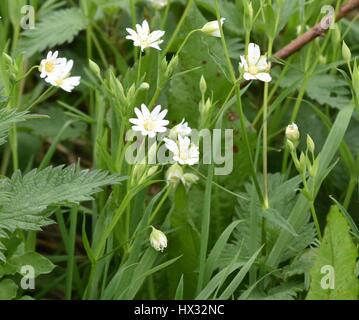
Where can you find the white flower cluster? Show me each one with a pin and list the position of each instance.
(57, 72)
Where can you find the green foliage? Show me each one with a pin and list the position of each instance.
(29, 195)
(54, 29)
(8, 118)
(338, 251)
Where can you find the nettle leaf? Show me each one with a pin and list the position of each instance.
(55, 29)
(7, 118)
(329, 89)
(30, 194)
(337, 251)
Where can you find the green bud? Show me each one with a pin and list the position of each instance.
(95, 68)
(164, 65)
(355, 79)
(290, 146)
(302, 162)
(7, 59)
(310, 144)
(172, 66)
(203, 85)
(152, 171)
(346, 52)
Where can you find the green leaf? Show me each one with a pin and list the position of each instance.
(273, 216)
(329, 89)
(8, 289)
(41, 264)
(55, 29)
(30, 194)
(337, 250)
(8, 117)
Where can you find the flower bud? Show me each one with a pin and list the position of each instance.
(346, 52)
(95, 68)
(290, 145)
(151, 171)
(302, 162)
(292, 134)
(310, 144)
(212, 28)
(159, 4)
(182, 129)
(203, 85)
(7, 59)
(172, 66)
(144, 86)
(158, 239)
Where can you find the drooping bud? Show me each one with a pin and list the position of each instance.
(158, 239)
(212, 28)
(189, 179)
(174, 174)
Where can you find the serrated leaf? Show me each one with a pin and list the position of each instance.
(329, 89)
(55, 29)
(7, 118)
(338, 251)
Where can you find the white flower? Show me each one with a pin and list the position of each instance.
(149, 123)
(61, 78)
(159, 4)
(158, 239)
(255, 66)
(182, 129)
(212, 28)
(51, 64)
(292, 132)
(184, 152)
(143, 38)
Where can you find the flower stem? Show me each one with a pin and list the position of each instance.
(179, 26)
(265, 136)
(240, 107)
(40, 98)
(139, 69)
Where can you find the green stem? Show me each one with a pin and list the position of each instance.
(265, 136)
(139, 69)
(71, 252)
(240, 107)
(349, 193)
(179, 26)
(40, 98)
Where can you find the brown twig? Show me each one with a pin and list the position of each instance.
(314, 32)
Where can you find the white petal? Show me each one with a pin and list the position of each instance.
(138, 114)
(145, 27)
(262, 63)
(156, 111)
(249, 76)
(243, 64)
(135, 121)
(146, 113)
(266, 77)
(254, 53)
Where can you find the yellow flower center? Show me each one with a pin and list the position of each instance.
(149, 125)
(49, 67)
(253, 70)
